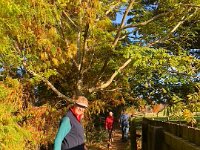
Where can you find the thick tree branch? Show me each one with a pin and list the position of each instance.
(122, 23)
(98, 77)
(78, 50)
(60, 95)
(117, 37)
(191, 5)
(183, 19)
(79, 41)
(117, 89)
(145, 22)
(165, 37)
(104, 85)
(66, 15)
(80, 72)
(85, 36)
(112, 7)
(89, 65)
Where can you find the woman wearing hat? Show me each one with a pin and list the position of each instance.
(70, 135)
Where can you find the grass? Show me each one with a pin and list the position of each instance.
(161, 117)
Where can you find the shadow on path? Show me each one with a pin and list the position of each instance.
(117, 143)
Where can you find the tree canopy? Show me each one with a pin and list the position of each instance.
(68, 47)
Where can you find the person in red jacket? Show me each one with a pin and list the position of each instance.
(109, 125)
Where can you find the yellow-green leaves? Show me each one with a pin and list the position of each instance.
(189, 117)
(96, 107)
(12, 135)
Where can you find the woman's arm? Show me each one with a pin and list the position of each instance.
(106, 123)
(63, 130)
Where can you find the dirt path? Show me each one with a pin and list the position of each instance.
(117, 144)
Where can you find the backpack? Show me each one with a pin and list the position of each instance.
(124, 120)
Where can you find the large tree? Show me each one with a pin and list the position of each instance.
(75, 48)
(63, 48)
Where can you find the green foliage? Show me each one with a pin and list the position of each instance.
(12, 134)
(39, 120)
(186, 109)
(97, 136)
(4, 93)
(172, 30)
(189, 117)
(24, 129)
(96, 107)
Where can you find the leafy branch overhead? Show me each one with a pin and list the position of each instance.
(76, 47)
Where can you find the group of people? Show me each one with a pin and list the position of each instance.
(70, 135)
(124, 125)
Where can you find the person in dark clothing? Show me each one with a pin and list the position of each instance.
(124, 124)
(70, 135)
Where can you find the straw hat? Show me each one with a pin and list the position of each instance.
(82, 101)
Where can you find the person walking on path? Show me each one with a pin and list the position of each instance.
(124, 124)
(109, 125)
(70, 135)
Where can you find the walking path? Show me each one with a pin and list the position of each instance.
(117, 143)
